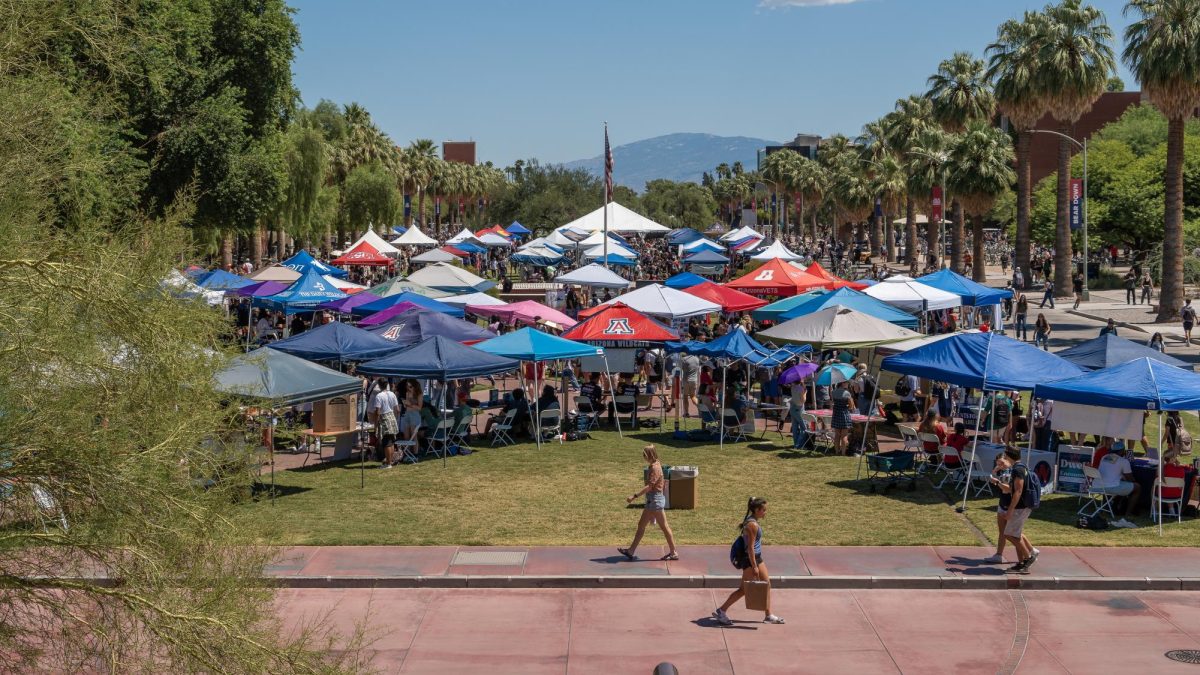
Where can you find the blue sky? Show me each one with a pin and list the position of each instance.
(537, 78)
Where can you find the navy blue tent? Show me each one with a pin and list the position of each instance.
(705, 258)
(220, 280)
(282, 379)
(983, 361)
(416, 325)
(1109, 350)
(537, 260)
(684, 280)
(407, 296)
(441, 359)
(310, 290)
(303, 261)
(1142, 384)
(683, 236)
(848, 297)
(517, 228)
(336, 342)
(468, 247)
(971, 292)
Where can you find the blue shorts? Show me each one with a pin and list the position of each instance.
(655, 501)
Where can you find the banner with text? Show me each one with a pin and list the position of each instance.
(1076, 193)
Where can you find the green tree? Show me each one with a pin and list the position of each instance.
(678, 204)
(370, 197)
(981, 160)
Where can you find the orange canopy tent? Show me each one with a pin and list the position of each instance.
(778, 278)
(363, 254)
(816, 270)
(729, 299)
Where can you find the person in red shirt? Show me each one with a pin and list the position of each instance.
(931, 425)
(957, 440)
(1173, 469)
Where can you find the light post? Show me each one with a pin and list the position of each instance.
(884, 228)
(1082, 146)
(775, 186)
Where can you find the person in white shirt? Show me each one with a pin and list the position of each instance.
(1116, 478)
(383, 410)
(263, 328)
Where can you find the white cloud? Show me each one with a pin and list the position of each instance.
(777, 4)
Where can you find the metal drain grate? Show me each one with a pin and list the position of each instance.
(1185, 656)
(489, 558)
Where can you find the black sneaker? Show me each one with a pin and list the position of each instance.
(1032, 558)
(1019, 568)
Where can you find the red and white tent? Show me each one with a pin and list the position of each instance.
(729, 299)
(778, 278)
(363, 254)
(816, 270)
(620, 323)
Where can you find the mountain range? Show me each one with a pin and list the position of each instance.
(677, 157)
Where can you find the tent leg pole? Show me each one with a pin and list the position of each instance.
(446, 437)
(1161, 454)
(613, 394)
(721, 412)
(974, 450)
(862, 448)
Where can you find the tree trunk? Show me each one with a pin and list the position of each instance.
(876, 233)
(800, 219)
(932, 241)
(226, 250)
(816, 236)
(958, 234)
(889, 236)
(1024, 178)
(978, 273)
(281, 242)
(256, 247)
(1170, 294)
(911, 250)
(325, 241)
(1062, 239)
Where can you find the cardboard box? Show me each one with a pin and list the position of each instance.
(335, 414)
(685, 493)
(757, 594)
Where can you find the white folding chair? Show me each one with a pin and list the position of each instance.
(460, 434)
(923, 439)
(1176, 503)
(819, 434)
(953, 473)
(502, 429)
(977, 474)
(550, 421)
(733, 426)
(1098, 499)
(439, 436)
(909, 435)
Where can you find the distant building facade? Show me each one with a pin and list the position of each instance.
(805, 144)
(462, 152)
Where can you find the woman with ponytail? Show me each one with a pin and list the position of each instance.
(746, 555)
(656, 503)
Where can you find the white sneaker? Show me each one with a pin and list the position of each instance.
(771, 618)
(722, 618)
(995, 558)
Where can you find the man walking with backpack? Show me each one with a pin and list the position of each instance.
(1025, 490)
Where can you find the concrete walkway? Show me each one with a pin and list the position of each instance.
(798, 567)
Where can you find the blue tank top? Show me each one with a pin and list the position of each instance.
(757, 539)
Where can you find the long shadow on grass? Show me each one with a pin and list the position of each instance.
(920, 494)
(262, 490)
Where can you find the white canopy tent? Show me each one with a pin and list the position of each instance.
(464, 235)
(476, 299)
(594, 275)
(413, 236)
(662, 301)
(620, 220)
(343, 285)
(278, 273)
(448, 277)
(597, 239)
(776, 250)
(613, 249)
(741, 233)
(703, 242)
(837, 327)
(912, 296)
(377, 243)
(565, 237)
(540, 241)
(493, 240)
(434, 256)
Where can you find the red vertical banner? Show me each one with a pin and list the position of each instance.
(935, 203)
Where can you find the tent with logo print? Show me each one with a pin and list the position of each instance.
(778, 278)
(417, 324)
(363, 254)
(310, 290)
(620, 323)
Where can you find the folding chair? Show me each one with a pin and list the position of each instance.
(922, 453)
(626, 406)
(732, 425)
(1098, 500)
(439, 435)
(909, 435)
(707, 416)
(977, 473)
(502, 429)
(1176, 503)
(461, 434)
(950, 473)
(818, 434)
(589, 414)
(551, 422)
(407, 449)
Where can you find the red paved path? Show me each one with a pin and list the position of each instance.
(835, 631)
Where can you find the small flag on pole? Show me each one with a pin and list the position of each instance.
(608, 168)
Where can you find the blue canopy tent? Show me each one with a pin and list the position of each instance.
(468, 247)
(983, 361)
(775, 310)
(417, 325)
(529, 344)
(399, 229)
(614, 259)
(705, 258)
(531, 258)
(1109, 350)
(304, 261)
(220, 280)
(517, 228)
(1142, 384)
(683, 236)
(407, 296)
(972, 292)
(336, 342)
(866, 282)
(310, 290)
(848, 297)
(704, 245)
(684, 280)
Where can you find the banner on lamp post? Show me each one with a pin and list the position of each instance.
(936, 204)
(1076, 196)
(878, 207)
(407, 206)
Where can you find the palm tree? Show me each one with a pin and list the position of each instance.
(981, 161)
(927, 168)
(834, 155)
(421, 156)
(890, 184)
(1160, 49)
(911, 118)
(811, 182)
(1013, 65)
(960, 93)
(780, 169)
(873, 141)
(1076, 62)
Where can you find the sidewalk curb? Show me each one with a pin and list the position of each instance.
(1103, 319)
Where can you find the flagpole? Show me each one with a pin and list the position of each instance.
(607, 189)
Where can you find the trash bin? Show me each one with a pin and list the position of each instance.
(685, 487)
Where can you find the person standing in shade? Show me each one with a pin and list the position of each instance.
(656, 504)
(747, 557)
(840, 420)
(1047, 294)
(1188, 314)
(796, 415)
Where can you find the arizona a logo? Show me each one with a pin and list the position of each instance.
(765, 275)
(393, 332)
(618, 327)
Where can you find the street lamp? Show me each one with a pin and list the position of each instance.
(1082, 146)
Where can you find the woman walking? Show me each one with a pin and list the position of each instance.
(1041, 332)
(655, 510)
(747, 557)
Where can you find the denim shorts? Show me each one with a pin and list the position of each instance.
(655, 501)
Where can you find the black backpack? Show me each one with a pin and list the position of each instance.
(1032, 493)
(1000, 413)
(903, 387)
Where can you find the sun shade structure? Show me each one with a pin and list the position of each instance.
(517, 228)
(1141, 384)
(705, 258)
(414, 237)
(911, 295)
(400, 285)
(464, 235)
(971, 292)
(451, 279)
(434, 256)
(1109, 350)
(775, 310)
(259, 289)
(735, 345)
(310, 290)
(684, 280)
(526, 311)
(835, 282)
(178, 286)
(384, 309)
(776, 250)
(660, 301)
(482, 299)
(282, 379)
(776, 277)
(277, 273)
(848, 297)
(984, 361)
(620, 219)
(376, 243)
(741, 233)
(682, 236)
(539, 256)
(837, 327)
(417, 324)
(303, 260)
(909, 345)
(729, 299)
(345, 305)
(493, 240)
(596, 276)
(335, 342)
(220, 280)
(529, 344)
(620, 324)
(441, 359)
(363, 254)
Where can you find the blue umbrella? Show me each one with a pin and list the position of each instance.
(835, 373)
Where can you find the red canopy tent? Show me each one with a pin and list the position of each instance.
(495, 229)
(363, 254)
(455, 251)
(729, 299)
(619, 322)
(816, 270)
(778, 278)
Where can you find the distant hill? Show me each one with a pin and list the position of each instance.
(678, 157)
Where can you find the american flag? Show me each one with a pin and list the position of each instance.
(608, 168)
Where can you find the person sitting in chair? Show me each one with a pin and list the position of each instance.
(520, 422)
